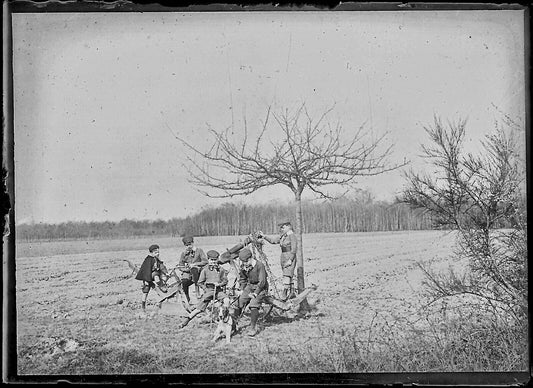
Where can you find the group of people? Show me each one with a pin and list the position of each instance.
(205, 271)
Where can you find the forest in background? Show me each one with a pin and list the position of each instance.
(359, 214)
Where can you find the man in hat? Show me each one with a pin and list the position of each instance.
(192, 260)
(288, 242)
(152, 270)
(212, 279)
(254, 285)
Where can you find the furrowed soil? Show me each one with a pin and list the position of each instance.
(79, 309)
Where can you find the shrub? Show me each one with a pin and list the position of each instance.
(482, 197)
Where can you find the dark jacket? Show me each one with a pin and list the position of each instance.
(149, 265)
(257, 277)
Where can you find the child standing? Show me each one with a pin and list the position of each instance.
(152, 270)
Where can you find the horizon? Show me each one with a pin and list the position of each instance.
(206, 208)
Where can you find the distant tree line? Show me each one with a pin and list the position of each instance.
(360, 214)
(330, 216)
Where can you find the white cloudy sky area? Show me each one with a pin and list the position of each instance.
(95, 94)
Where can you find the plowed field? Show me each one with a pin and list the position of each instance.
(78, 307)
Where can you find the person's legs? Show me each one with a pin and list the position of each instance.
(143, 302)
(186, 283)
(195, 274)
(288, 285)
(254, 314)
(243, 300)
(255, 304)
(159, 283)
(145, 290)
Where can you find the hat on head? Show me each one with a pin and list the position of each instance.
(245, 254)
(153, 247)
(187, 240)
(287, 222)
(212, 254)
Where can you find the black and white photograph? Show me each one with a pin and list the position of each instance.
(276, 192)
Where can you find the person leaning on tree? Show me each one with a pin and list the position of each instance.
(254, 285)
(192, 260)
(152, 270)
(288, 242)
(212, 279)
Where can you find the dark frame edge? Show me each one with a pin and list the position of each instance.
(170, 6)
(9, 332)
(9, 366)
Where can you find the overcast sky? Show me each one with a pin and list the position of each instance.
(98, 95)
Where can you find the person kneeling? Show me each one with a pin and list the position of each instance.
(212, 279)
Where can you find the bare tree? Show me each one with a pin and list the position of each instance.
(482, 197)
(300, 152)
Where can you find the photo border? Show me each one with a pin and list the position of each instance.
(9, 343)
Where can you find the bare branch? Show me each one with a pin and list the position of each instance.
(478, 195)
(309, 153)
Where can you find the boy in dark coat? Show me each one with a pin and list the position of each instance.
(152, 270)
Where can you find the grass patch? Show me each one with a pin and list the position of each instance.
(453, 345)
(92, 361)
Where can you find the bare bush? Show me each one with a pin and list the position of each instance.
(482, 197)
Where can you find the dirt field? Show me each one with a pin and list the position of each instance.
(79, 310)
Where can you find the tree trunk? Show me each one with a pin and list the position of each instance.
(304, 306)
(299, 251)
